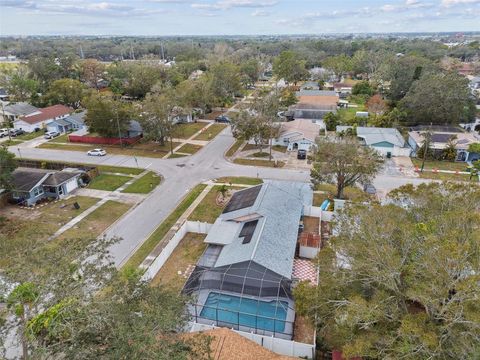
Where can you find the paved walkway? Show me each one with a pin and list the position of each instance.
(126, 198)
(190, 139)
(173, 230)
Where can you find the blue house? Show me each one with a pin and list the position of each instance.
(72, 122)
(32, 185)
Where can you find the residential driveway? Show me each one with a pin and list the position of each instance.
(180, 176)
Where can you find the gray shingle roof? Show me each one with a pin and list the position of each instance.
(20, 108)
(278, 207)
(78, 118)
(25, 179)
(374, 135)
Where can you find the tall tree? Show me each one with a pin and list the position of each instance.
(67, 92)
(289, 66)
(107, 116)
(439, 99)
(250, 71)
(21, 86)
(156, 117)
(376, 105)
(400, 281)
(224, 81)
(91, 71)
(7, 166)
(344, 162)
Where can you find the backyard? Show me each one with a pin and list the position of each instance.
(329, 191)
(175, 271)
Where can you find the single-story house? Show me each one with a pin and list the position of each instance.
(310, 85)
(342, 89)
(440, 140)
(32, 185)
(41, 119)
(4, 95)
(475, 85)
(246, 269)
(299, 134)
(315, 104)
(387, 141)
(73, 122)
(12, 111)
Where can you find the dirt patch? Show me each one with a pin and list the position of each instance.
(304, 331)
(311, 224)
(13, 212)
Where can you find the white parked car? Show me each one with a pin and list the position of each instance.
(3, 132)
(51, 134)
(96, 152)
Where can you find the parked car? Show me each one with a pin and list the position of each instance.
(369, 189)
(3, 132)
(302, 154)
(96, 152)
(222, 119)
(51, 134)
(16, 132)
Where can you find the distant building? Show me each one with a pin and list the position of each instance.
(73, 122)
(298, 134)
(41, 118)
(315, 104)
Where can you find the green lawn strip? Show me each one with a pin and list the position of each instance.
(119, 170)
(108, 182)
(145, 184)
(189, 148)
(97, 222)
(318, 198)
(207, 210)
(441, 165)
(444, 176)
(279, 148)
(175, 155)
(30, 136)
(185, 131)
(11, 142)
(211, 132)
(243, 180)
(233, 149)
(260, 154)
(265, 163)
(157, 236)
(60, 139)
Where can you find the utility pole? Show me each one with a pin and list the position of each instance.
(118, 125)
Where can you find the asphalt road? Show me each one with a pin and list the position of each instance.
(180, 175)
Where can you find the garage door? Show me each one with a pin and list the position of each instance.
(71, 185)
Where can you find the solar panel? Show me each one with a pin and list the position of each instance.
(242, 199)
(247, 231)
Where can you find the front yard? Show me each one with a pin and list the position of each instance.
(242, 180)
(266, 163)
(353, 194)
(211, 132)
(108, 182)
(189, 149)
(145, 184)
(186, 131)
(175, 271)
(208, 210)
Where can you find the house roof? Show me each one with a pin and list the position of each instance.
(277, 208)
(21, 108)
(77, 118)
(316, 93)
(301, 128)
(25, 179)
(440, 139)
(374, 135)
(228, 345)
(63, 122)
(47, 113)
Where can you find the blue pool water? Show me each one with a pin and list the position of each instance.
(230, 309)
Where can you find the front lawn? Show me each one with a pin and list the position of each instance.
(441, 165)
(160, 232)
(265, 163)
(233, 149)
(119, 170)
(279, 148)
(60, 139)
(354, 194)
(189, 148)
(444, 176)
(108, 182)
(30, 136)
(260, 154)
(243, 180)
(211, 132)
(145, 184)
(186, 254)
(186, 131)
(207, 210)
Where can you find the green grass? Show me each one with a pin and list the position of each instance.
(233, 149)
(189, 149)
(60, 139)
(350, 193)
(108, 182)
(444, 176)
(243, 180)
(30, 136)
(159, 233)
(207, 210)
(145, 184)
(175, 155)
(211, 132)
(260, 154)
(11, 142)
(279, 148)
(441, 165)
(185, 131)
(264, 163)
(119, 170)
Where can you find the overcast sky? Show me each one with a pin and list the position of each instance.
(232, 17)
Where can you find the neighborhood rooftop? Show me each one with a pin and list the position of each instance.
(47, 113)
(21, 108)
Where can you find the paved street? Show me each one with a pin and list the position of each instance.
(180, 175)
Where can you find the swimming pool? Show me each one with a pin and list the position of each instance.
(230, 309)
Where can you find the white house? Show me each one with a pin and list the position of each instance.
(40, 119)
(387, 141)
(13, 111)
(298, 134)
